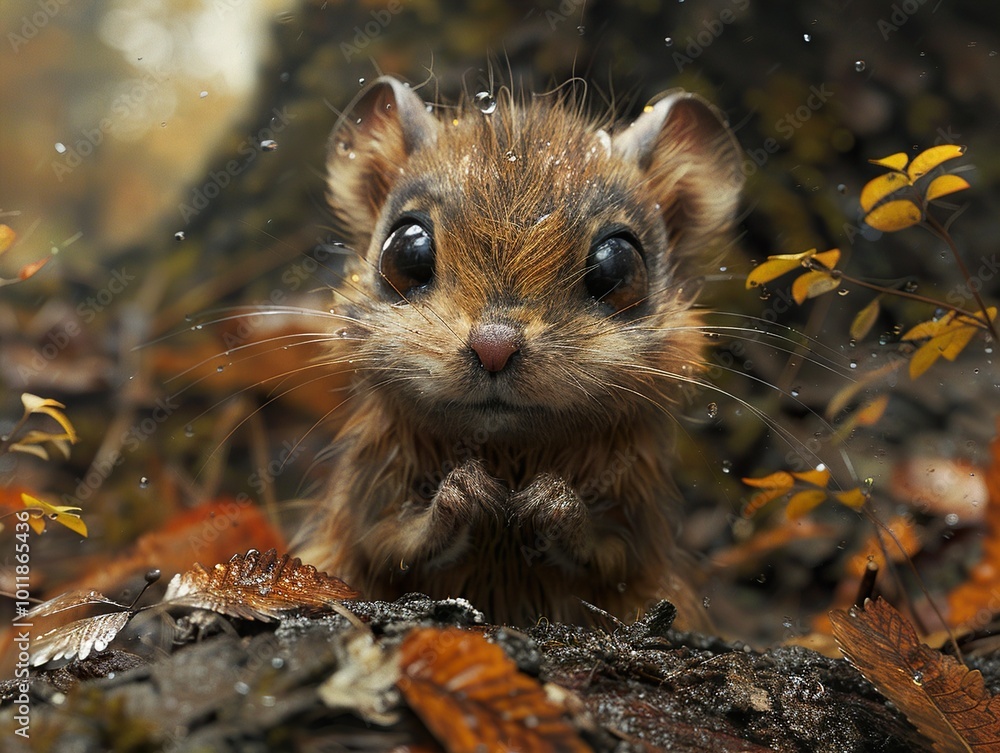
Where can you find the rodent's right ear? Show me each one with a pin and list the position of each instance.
(384, 125)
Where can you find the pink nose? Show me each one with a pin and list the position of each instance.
(495, 344)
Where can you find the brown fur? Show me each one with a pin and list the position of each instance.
(567, 494)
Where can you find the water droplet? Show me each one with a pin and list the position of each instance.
(285, 77)
(267, 700)
(911, 286)
(795, 391)
(786, 623)
(277, 662)
(179, 236)
(241, 687)
(510, 156)
(713, 410)
(622, 587)
(268, 145)
(807, 37)
(143, 483)
(918, 678)
(60, 147)
(859, 65)
(841, 188)
(203, 94)
(486, 102)
(219, 369)
(581, 30)
(727, 466)
(189, 431)
(668, 41)
(951, 519)
(854, 364)
(842, 292)
(706, 602)
(361, 81)
(762, 578)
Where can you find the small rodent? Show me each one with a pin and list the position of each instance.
(517, 326)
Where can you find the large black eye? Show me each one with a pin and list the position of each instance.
(407, 260)
(616, 272)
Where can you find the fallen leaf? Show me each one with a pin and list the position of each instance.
(69, 600)
(258, 586)
(78, 639)
(473, 698)
(945, 701)
(976, 598)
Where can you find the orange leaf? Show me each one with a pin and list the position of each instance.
(258, 586)
(853, 498)
(818, 477)
(28, 270)
(7, 237)
(802, 502)
(828, 259)
(928, 159)
(473, 698)
(894, 215)
(878, 188)
(777, 480)
(812, 284)
(872, 411)
(976, 598)
(947, 702)
(895, 161)
(761, 498)
(943, 185)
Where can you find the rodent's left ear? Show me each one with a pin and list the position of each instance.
(693, 166)
(384, 125)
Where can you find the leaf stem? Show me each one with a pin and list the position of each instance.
(935, 227)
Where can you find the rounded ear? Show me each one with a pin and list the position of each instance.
(692, 162)
(382, 127)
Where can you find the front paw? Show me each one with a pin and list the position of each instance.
(558, 518)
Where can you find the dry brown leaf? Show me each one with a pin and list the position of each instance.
(473, 698)
(79, 638)
(256, 586)
(946, 701)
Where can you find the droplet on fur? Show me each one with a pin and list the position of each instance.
(143, 483)
(713, 410)
(268, 145)
(859, 65)
(486, 102)
(510, 156)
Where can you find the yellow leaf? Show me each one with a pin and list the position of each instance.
(775, 267)
(954, 342)
(829, 258)
(803, 502)
(930, 328)
(923, 358)
(865, 319)
(7, 237)
(853, 498)
(37, 523)
(62, 514)
(943, 185)
(928, 159)
(817, 477)
(878, 188)
(894, 215)
(812, 284)
(35, 404)
(895, 161)
(30, 449)
(777, 480)
(872, 411)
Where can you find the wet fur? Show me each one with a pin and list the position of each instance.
(567, 493)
